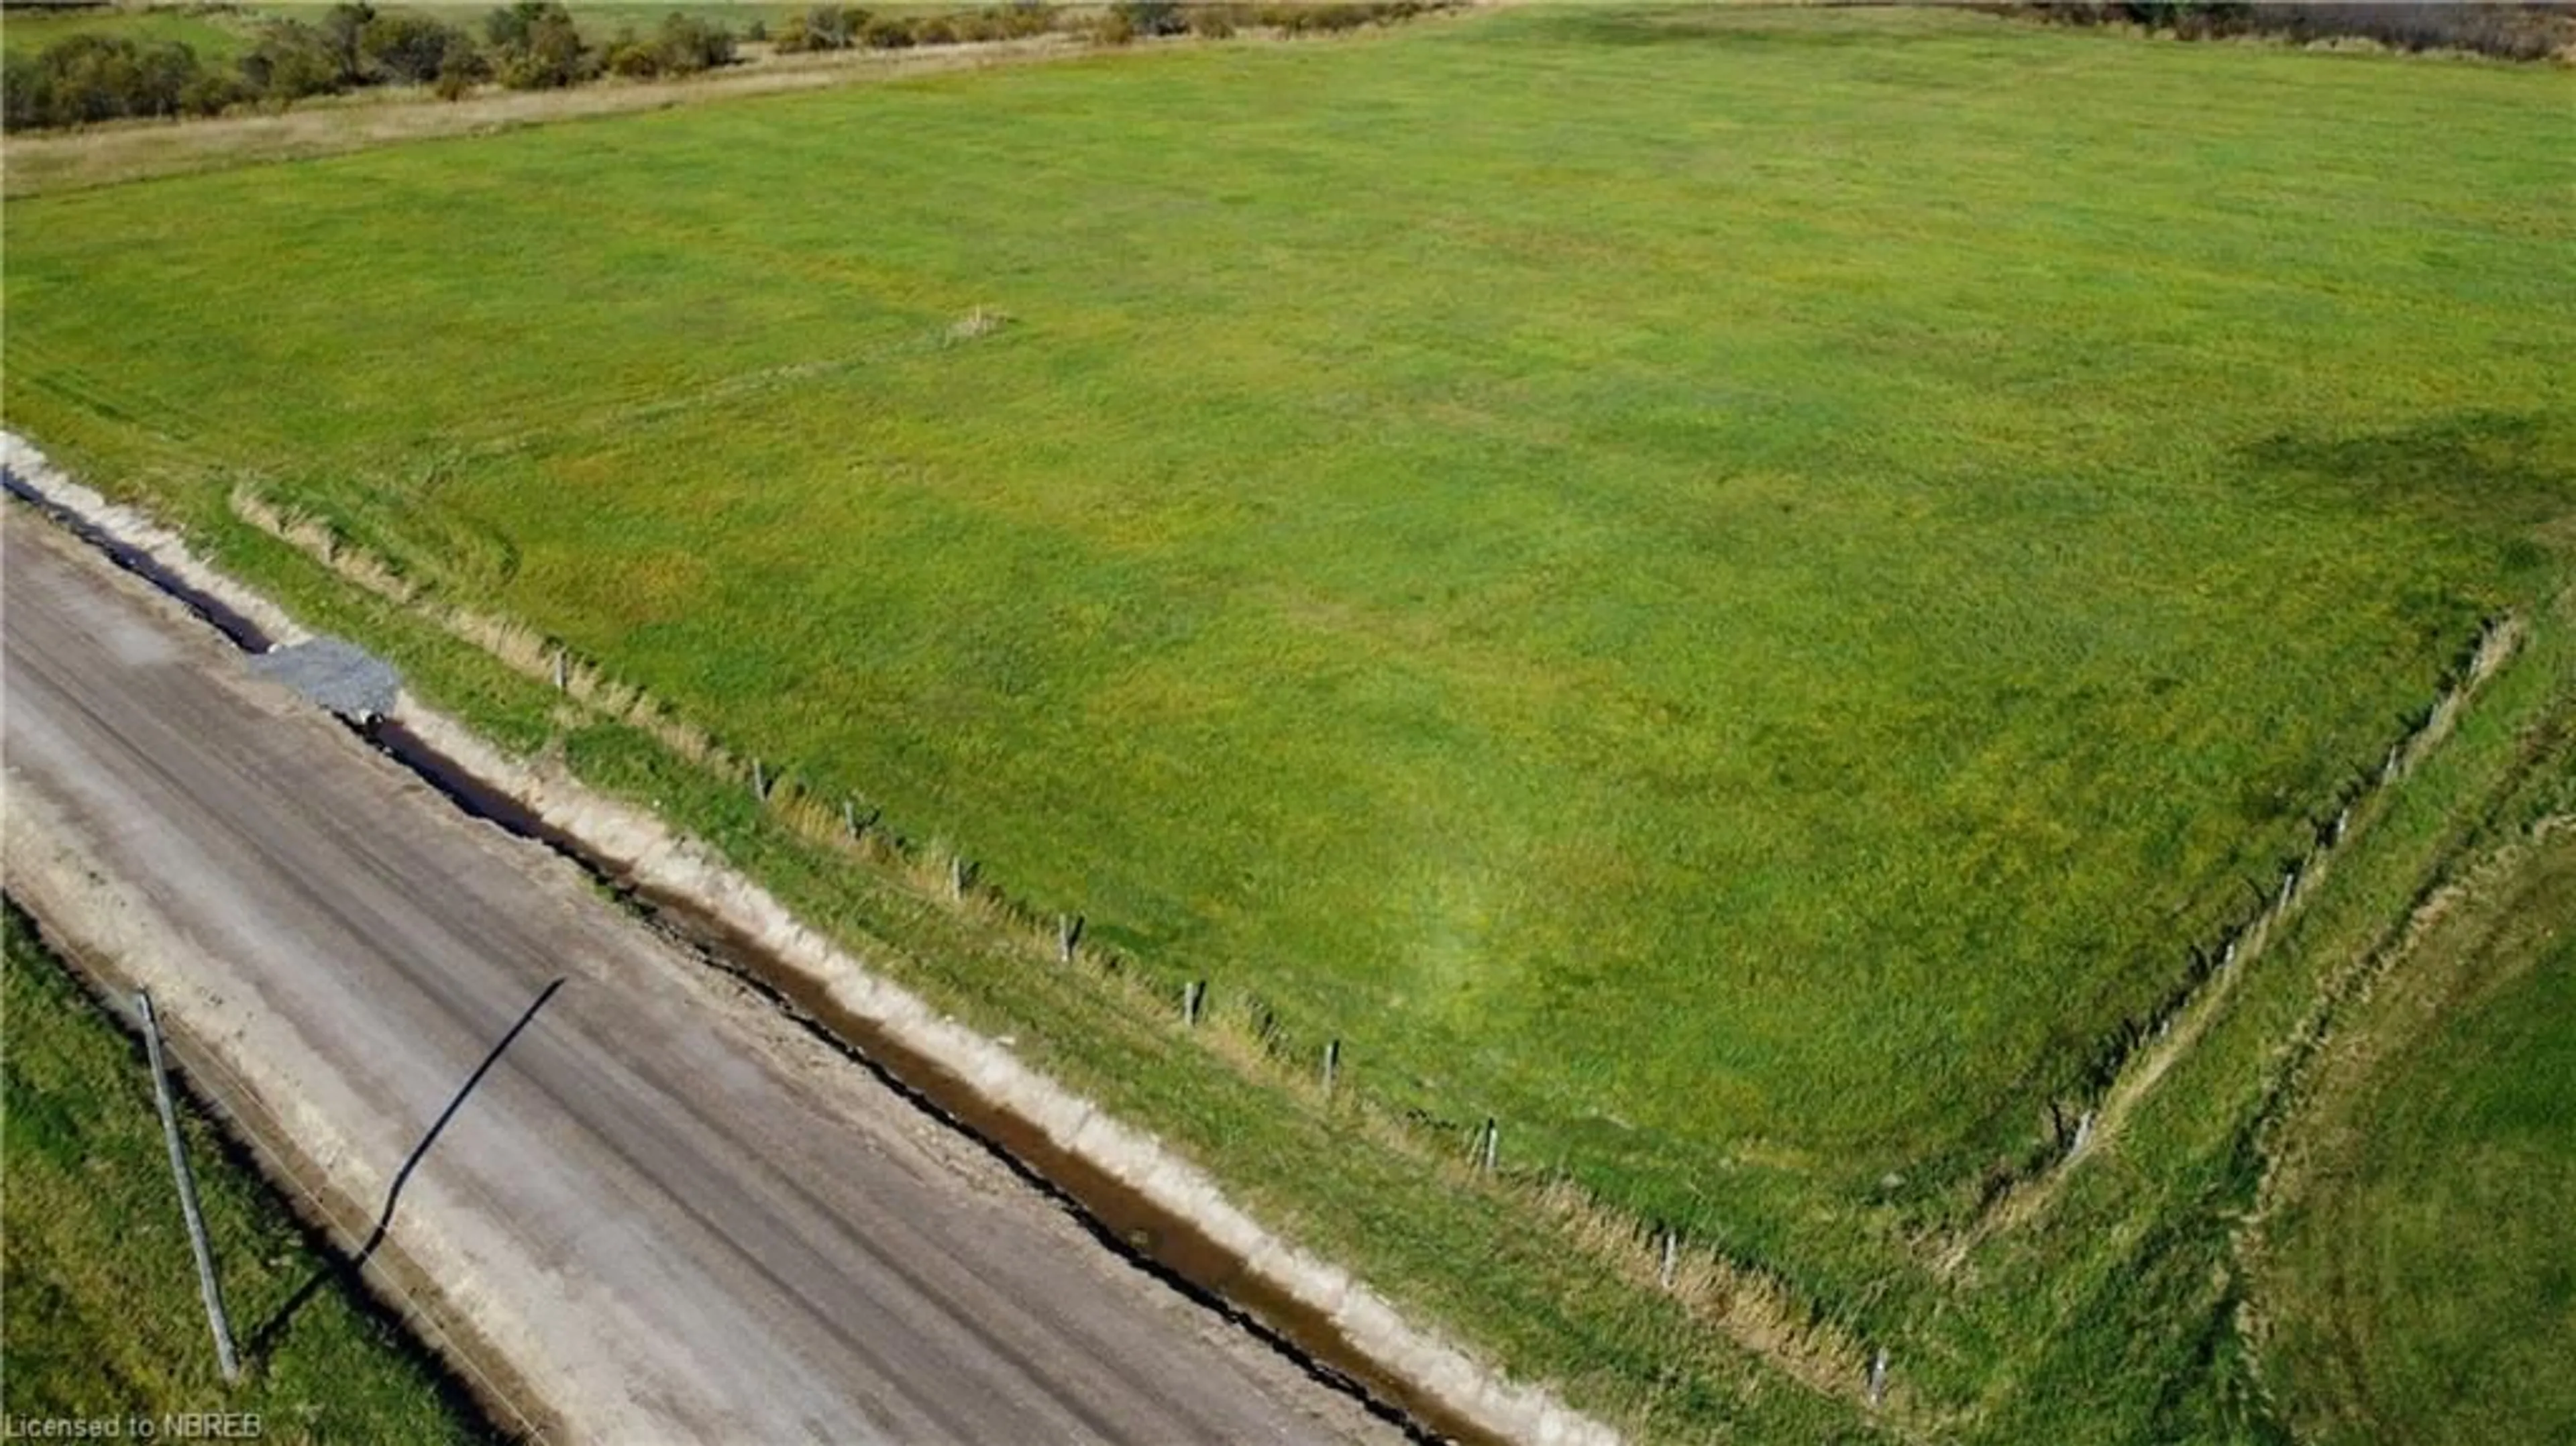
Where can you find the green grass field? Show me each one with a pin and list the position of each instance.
(1736, 589)
(214, 36)
(2425, 1273)
(103, 1319)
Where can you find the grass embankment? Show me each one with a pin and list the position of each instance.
(2420, 1273)
(103, 1319)
(1739, 599)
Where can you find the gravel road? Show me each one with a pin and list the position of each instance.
(666, 1212)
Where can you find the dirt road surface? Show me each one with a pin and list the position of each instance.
(665, 1211)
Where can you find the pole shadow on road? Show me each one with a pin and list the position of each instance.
(273, 1331)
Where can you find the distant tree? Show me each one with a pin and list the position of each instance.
(688, 45)
(538, 47)
(406, 46)
(1151, 17)
(343, 28)
(1024, 18)
(461, 68)
(82, 79)
(290, 61)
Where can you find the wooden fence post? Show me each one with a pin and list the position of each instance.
(1332, 1064)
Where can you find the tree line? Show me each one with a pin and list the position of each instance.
(535, 45)
(2511, 31)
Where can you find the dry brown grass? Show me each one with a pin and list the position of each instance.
(110, 154)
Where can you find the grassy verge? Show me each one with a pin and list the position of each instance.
(2120, 1316)
(2417, 1274)
(102, 1318)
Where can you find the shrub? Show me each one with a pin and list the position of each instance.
(1022, 19)
(462, 67)
(86, 78)
(539, 47)
(212, 92)
(1211, 22)
(885, 32)
(1114, 29)
(934, 30)
(406, 46)
(290, 61)
(632, 59)
(1150, 17)
(343, 29)
(688, 45)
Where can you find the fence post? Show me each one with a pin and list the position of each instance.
(1878, 1378)
(1493, 1142)
(1068, 932)
(207, 1286)
(956, 877)
(759, 780)
(561, 683)
(1332, 1064)
(849, 818)
(1192, 994)
(1672, 1258)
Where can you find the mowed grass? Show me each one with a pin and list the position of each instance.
(103, 1319)
(2423, 1279)
(1733, 589)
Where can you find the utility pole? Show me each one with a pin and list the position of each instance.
(206, 1284)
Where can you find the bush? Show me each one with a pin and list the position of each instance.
(830, 27)
(212, 92)
(633, 59)
(406, 47)
(1022, 19)
(539, 48)
(1150, 17)
(885, 32)
(934, 30)
(293, 60)
(688, 45)
(83, 79)
(1211, 22)
(343, 29)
